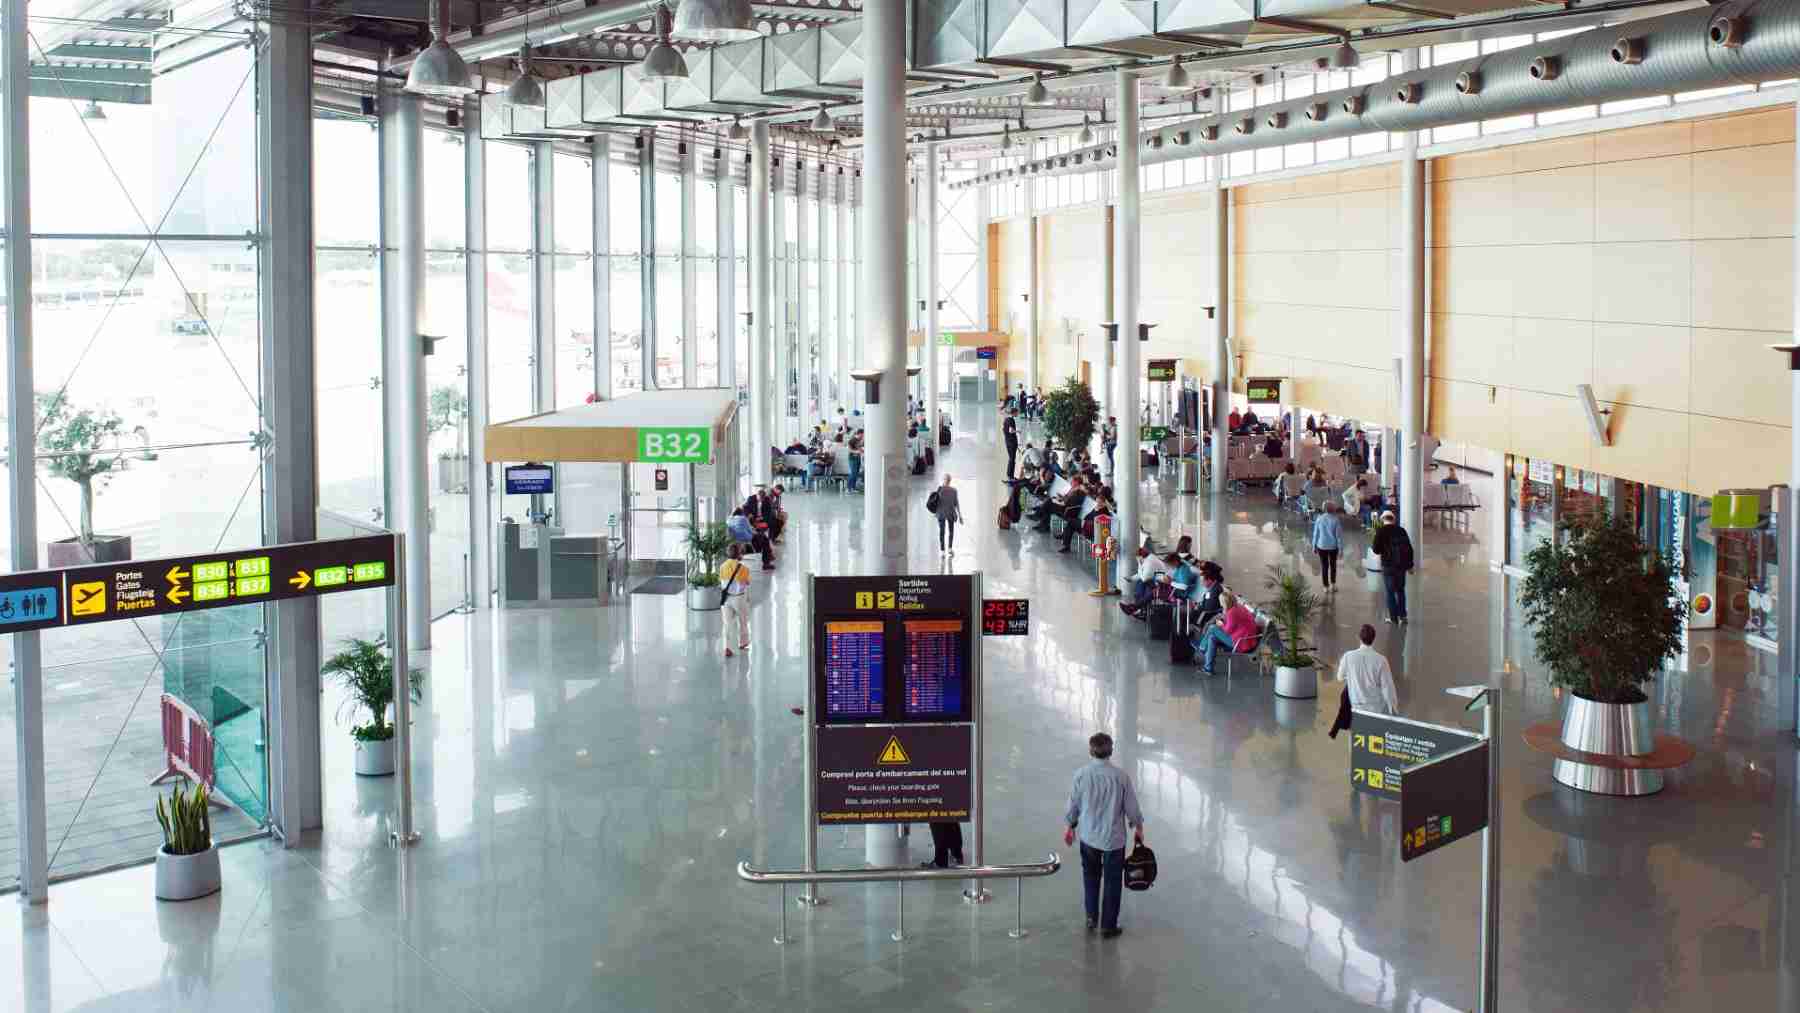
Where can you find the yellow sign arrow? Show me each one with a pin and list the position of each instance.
(1356, 775)
(176, 594)
(300, 580)
(176, 574)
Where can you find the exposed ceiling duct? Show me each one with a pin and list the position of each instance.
(547, 26)
(1747, 42)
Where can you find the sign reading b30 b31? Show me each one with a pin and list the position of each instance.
(141, 588)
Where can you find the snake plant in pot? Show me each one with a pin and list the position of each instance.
(364, 668)
(187, 864)
(1605, 617)
(1291, 609)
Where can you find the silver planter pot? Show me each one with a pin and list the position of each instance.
(1612, 729)
(703, 599)
(1296, 683)
(186, 877)
(375, 758)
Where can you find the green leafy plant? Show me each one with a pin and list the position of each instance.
(706, 545)
(1291, 609)
(186, 822)
(1071, 414)
(364, 668)
(83, 445)
(1602, 609)
(448, 408)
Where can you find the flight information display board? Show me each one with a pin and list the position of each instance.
(894, 649)
(935, 678)
(855, 670)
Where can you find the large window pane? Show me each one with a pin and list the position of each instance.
(706, 322)
(574, 329)
(626, 310)
(669, 339)
(447, 425)
(446, 211)
(625, 219)
(347, 202)
(574, 204)
(668, 213)
(508, 197)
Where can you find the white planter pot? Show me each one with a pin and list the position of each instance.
(185, 877)
(375, 759)
(1611, 729)
(703, 599)
(1296, 683)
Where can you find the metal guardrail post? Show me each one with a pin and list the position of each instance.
(899, 933)
(403, 835)
(811, 877)
(781, 936)
(1018, 929)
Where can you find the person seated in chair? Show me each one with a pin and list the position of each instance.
(741, 530)
(1103, 508)
(1206, 598)
(1236, 631)
(820, 464)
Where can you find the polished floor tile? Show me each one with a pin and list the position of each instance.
(587, 781)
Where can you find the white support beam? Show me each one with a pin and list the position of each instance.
(401, 127)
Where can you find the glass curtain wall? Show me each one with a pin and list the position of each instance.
(445, 315)
(626, 263)
(148, 386)
(666, 262)
(511, 339)
(573, 206)
(705, 247)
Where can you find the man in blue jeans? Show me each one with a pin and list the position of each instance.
(1101, 803)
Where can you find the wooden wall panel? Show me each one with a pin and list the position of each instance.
(1734, 375)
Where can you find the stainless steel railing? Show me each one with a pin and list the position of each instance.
(900, 877)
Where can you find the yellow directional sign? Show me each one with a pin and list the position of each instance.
(884, 599)
(300, 580)
(88, 598)
(178, 594)
(865, 599)
(176, 574)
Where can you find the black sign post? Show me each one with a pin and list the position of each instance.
(1444, 800)
(893, 718)
(1383, 746)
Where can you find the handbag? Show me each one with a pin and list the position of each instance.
(1140, 868)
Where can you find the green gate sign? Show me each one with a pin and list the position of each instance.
(674, 444)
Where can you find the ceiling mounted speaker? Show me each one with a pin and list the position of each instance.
(1468, 83)
(1184, 138)
(1628, 51)
(1210, 132)
(1546, 68)
(1345, 56)
(1277, 120)
(1409, 93)
(1726, 31)
(715, 20)
(1245, 126)
(1155, 142)
(1354, 105)
(1316, 112)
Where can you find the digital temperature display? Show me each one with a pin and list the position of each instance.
(1005, 617)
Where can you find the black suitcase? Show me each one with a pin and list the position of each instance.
(1181, 645)
(918, 467)
(943, 437)
(1162, 620)
(930, 458)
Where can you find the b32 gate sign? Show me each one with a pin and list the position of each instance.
(141, 588)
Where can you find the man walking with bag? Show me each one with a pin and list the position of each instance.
(943, 503)
(1395, 550)
(1101, 803)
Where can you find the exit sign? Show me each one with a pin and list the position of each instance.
(674, 444)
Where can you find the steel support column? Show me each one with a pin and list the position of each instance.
(928, 287)
(1788, 628)
(646, 152)
(883, 285)
(601, 169)
(21, 444)
(1412, 333)
(805, 354)
(403, 291)
(543, 282)
(1031, 284)
(1129, 372)
(290, 470)
(829, 352)
(781, 311)
(762, 249)
(481, 527)
(1221, 367)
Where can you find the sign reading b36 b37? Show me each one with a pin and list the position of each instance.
(674, 444)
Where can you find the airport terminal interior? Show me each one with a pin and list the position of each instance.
(613, 505)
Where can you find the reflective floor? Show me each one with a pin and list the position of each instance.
(589, 779)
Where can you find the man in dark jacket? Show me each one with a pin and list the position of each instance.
(1395, 550)
(1011, 430)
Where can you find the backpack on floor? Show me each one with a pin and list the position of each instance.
(1140, 868)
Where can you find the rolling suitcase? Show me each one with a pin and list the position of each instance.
(1161, 617)
(1181, 645)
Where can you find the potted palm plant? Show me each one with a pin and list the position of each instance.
(364, 668)
(86, 446)
(1291, 609)
(706, 545)
(187, 864)
(1071, 414)
(1605, 617)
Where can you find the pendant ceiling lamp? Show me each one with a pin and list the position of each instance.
(1087, 130)
(1345, 57)
(440, 70)
(715, 20)
(822, 122)
(737, 131)
(527, 90)
(1178, 75)
(1037, 94)
(1005, 136)
(663, 62)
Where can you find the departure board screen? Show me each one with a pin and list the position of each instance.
(936, 682)
(855, 669)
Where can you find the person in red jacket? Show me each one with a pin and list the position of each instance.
(1236, 631)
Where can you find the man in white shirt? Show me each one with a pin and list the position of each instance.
(1150, 566)
(1366, 675)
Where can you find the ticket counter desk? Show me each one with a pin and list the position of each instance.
(540, 565)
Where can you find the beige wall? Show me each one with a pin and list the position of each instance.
(1655, 263)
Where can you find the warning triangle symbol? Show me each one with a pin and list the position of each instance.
(892, 753)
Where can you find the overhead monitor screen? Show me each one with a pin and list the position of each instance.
(855, 669)
(936, 680)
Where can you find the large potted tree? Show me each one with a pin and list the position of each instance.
(1292, 605)
(448, 410)
(1605, 617)
(706, 545)
(364, 668)
(1071, 414)
(85, 446)
(187, 864)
